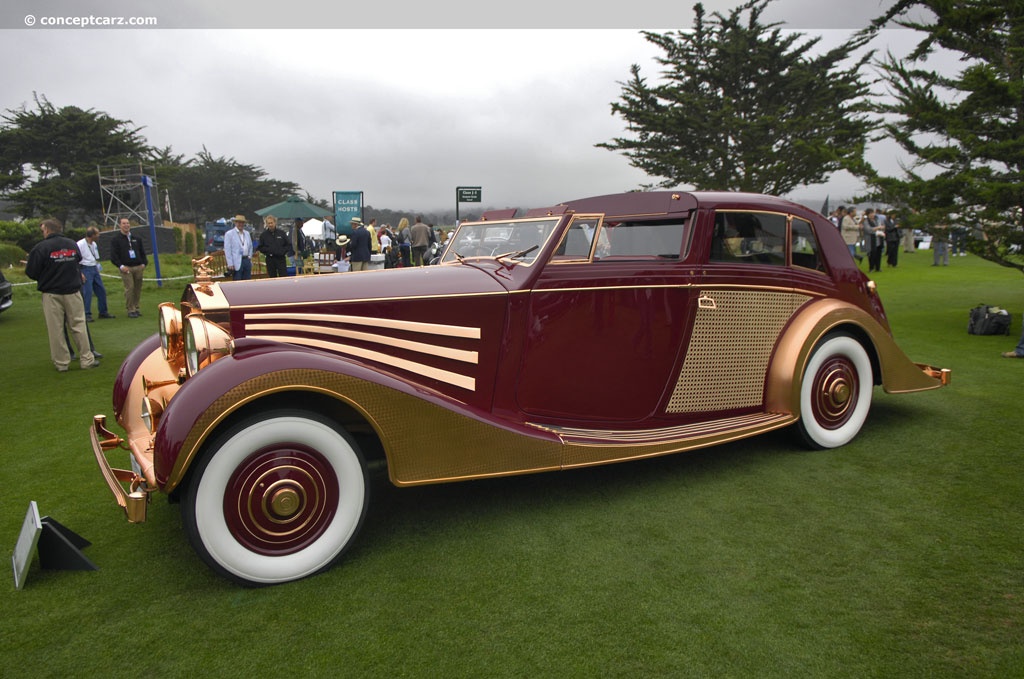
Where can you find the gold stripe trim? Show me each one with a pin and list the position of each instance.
(391, 323)
(359, 300)
(640, 437)
(682, 286)
(446, 376)
(420, 347)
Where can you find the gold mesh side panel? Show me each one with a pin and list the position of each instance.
(409, 429)
(727, 358)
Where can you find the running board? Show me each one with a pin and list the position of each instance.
(585, 447)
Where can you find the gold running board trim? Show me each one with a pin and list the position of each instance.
(419, 347)
(583, 448)
(685, 432)
(446, 376)
(390, 323)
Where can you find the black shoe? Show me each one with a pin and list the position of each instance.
(107, 316)
(88, 319)
(97, 354)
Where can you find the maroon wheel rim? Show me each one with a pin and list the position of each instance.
(281, 499)
(835, 392)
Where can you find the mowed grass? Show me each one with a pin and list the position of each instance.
(898, 555)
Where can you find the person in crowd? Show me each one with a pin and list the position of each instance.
(276, 248)
(371, 226)
(238, 251)
(958, 240)
(874, 238)
(1018, 351)
(91, 267)
(341, 261)
(53, 264)
(300, 244)
(836, 216)
(851, 231)
(892, 239)
(359, 246)
(129, 257)
(940, 245)
(404, 243)
(71, 346)
(385, 238)
(419, 236)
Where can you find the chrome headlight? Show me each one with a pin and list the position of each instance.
(204, 342)
(170, 332)
(151, 412)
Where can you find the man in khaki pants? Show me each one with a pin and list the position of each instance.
(128, 255)
(53, 264)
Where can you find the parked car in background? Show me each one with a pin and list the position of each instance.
(213, 233)
(6, 293)
(595, 331)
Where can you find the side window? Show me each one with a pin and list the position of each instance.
(804, 246)
(579, 240)
(662, 239)
(749, 237)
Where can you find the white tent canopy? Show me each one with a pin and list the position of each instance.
(314, 228)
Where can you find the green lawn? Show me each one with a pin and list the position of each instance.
(899, 555)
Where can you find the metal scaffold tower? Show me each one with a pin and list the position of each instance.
(123, 194)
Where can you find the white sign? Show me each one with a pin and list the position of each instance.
(22, 557)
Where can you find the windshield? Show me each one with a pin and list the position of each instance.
(523, 238)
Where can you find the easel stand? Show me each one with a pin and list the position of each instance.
(60, 548)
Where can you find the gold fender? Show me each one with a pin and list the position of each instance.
(895, 371)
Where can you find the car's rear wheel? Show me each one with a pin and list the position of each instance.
(276, 498)
(835, 392)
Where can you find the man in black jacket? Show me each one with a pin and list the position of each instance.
(128, 255)
(53, 264)
(276, 247)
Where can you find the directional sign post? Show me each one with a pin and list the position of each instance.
(466, 194)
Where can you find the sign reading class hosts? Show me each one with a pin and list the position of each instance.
(347, 204)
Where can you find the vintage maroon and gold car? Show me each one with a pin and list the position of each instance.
(596, 331)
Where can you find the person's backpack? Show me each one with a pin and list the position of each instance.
(988, 320)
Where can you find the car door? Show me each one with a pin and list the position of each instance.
(745, 299)
(605, 322)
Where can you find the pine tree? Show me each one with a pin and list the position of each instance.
(963, 132)
(743, 106)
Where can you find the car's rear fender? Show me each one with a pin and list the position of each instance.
(891, 367)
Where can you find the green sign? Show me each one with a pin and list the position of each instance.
(468, 194)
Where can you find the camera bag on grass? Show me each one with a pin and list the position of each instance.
(989, 320)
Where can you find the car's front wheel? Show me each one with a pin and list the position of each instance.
(835, 392)
(278, 497)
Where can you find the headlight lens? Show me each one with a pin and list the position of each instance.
(204, 342)
(170, 332)
(151, 412)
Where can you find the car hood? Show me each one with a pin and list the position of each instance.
(414, 282)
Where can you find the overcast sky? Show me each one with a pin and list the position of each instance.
(404, 101)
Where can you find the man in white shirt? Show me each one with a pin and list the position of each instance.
(90, 268)
(238, 251)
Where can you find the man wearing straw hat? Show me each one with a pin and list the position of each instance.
(238, 251)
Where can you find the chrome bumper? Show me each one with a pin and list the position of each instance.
(134, 499)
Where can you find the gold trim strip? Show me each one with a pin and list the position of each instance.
(412, 326)
(455, 379)
(359, 300)
(673, 286)
(419, 347)
(639, 437)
